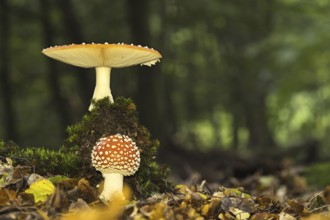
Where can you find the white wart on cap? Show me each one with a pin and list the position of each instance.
(115, 156)
(103, 57)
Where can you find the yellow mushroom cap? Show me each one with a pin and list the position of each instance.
(107, 55)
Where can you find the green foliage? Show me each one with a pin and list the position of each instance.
(44, 161)
(111, 118)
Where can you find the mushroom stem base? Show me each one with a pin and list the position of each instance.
(113, 186)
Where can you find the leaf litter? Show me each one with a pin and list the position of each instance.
(27, 195)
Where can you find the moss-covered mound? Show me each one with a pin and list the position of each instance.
(111, 118)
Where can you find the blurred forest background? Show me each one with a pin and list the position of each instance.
(248, 76)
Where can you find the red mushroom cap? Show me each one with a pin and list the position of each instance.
(116, 154)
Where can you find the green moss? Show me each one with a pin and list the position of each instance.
(111, 118)
(44, 161)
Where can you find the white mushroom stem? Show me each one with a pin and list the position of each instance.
(113, 186)
(102, 86)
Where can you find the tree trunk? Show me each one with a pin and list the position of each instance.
(246, 86)
(260, 137)
(147, 98)
(234, 131)
(8, 109)
(248, 97)
(60, 102)
(74, 33)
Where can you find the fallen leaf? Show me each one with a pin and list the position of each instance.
(41, 190)
(326, 195)
(239, 214)
(286, 216)
(205, 209)
(263, 216)
(6, 196)
(320, 216)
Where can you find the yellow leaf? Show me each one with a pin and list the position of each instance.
(41, 190)
(225, 216)
(203, 196)
(234, 192)
(221, 216)
(239, 214)
(286, 216)
(182, 188)
(205, 209)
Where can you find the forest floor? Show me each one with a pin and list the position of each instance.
(283, 194)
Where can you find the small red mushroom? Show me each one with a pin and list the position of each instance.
(115, 156)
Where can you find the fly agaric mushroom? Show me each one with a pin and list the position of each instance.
(115, 156)
(103, 57)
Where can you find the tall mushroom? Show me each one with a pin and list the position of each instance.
(103, 57)
(115, 156)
